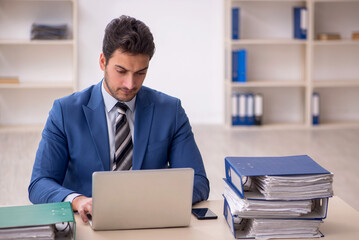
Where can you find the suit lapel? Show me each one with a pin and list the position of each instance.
(96, 120)
(143, 122)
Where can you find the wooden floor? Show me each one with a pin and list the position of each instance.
(335, 149)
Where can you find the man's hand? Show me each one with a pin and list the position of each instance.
(83, 205)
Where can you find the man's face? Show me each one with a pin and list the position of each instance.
(124, 74)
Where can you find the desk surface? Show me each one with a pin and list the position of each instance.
(342, 222)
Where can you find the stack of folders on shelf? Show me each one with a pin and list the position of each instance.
(239, 65)
(276, 197)
(247, 109)
(40, 221)
(300, 22)
(48, 32)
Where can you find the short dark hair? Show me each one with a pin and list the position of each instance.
(128, 34)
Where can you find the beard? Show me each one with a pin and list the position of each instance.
(118, 93)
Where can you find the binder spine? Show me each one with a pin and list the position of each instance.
(300, 22)
(315, 108)
(242, 65)
(228, 216)
(234, 179)
(239, 65)
(242, 109)
(234, 66)
(258, 109)
(235, 108)
(250, 109)
(235, 23)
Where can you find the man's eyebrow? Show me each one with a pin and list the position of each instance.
(117, 65)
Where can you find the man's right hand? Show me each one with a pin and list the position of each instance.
(83, 205)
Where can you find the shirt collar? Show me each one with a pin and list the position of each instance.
(110, 101)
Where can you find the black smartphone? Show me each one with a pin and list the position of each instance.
(203, 213)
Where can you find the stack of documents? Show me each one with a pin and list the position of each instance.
(274, 228)
(254, 208)
(276, 197)
(295, 187)
(23, 233)
(48, 32)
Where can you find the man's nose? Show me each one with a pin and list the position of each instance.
(129, 81)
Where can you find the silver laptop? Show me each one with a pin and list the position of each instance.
(142, 199)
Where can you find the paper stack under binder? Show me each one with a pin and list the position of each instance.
(276, 197)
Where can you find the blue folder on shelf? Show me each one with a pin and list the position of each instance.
(235, 66)
(242, 65)
(241, 171)
(242, 99)
(235, 23)
(315, 108)
(235, 109)
(300, 22)
(239, 65)
(250, 109)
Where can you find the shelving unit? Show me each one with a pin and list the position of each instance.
(46, 69)
(286, 71)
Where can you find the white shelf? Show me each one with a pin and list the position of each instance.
(39, 0)
(38, 85)
(341, 1)
(297, 126)
(35, 42)
(266, 84)
(336, 83)
(271, 126)
(235, 1)
(268, 41)
(335, 42)
(47, 69)
(336, 125)
(287, 71)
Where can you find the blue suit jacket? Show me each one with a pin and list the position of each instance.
(75, 144)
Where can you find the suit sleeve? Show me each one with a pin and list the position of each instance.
(51, 161)
(185, 153)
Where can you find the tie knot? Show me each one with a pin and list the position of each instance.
(121, 107)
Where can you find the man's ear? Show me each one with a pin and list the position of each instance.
(102, 62)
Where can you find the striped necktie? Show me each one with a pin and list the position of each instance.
(123, 141)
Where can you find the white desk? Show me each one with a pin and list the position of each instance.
(342, 223)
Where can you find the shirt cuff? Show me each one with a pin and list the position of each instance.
(71, 197)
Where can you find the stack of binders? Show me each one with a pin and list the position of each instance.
(247, 109)
(276, 197)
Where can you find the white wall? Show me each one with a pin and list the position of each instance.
(188, 62)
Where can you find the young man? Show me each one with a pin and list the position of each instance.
(117, 125)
